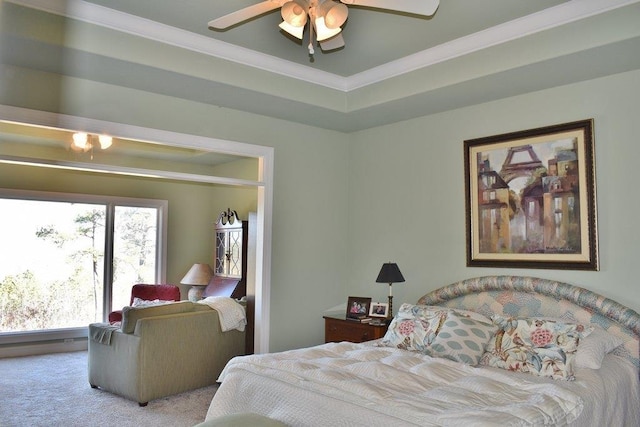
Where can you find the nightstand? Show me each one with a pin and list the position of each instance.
(337, 328)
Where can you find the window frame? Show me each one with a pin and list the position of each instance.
(110, 203)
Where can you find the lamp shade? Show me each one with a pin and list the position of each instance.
(296, 32)
(335, 14)
(80, 139)
(198, 274)
(294, 13)
(323, 32)
(105, 141)
(390, 273)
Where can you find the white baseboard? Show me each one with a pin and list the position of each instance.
(46, 348)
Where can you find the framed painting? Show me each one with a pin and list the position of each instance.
(531, 198)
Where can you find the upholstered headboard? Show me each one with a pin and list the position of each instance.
(528, 297)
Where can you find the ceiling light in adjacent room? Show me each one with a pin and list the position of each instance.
(85, 142)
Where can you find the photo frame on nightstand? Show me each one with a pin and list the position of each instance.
(358, 308)
(379, 309)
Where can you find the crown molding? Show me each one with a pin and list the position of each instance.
(553, 17)
(152, 30)
(556, 16)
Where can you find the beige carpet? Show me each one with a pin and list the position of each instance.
(52, 390)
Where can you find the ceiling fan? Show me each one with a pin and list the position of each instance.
(325, 17)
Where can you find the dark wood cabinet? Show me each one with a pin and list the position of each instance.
(231, 261)
(231, 251)
(337, 329)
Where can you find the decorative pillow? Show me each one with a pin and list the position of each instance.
(414, 327)
(595, 346)
(537, 346)
(138, 302)
(462, 339)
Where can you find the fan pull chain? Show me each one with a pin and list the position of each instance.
(311, 51)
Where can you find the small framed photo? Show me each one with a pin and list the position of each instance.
(379, 309)
(358, 307)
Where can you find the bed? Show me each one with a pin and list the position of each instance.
(533, 352)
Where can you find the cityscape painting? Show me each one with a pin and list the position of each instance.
(530, 198)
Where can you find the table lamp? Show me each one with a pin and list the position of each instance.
(198, 277)
(390, 273)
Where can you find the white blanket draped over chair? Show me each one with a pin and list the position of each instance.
(232, 314)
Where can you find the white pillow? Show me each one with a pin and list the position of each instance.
(138, 302)
(595, 346)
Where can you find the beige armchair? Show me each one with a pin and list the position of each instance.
(160, 351)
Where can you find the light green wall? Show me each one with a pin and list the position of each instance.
(407, 190)
(344, 204)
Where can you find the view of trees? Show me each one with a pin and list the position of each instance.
(73, 296)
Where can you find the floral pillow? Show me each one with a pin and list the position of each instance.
(537, 346)
(462, 339)
(414, 327)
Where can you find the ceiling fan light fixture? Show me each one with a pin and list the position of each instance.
(325, 17)
(323, 32)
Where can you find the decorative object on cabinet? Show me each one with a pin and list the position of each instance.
(197, 277)
(357, 308)
(390, 273)
(337, 329)
(531, 198)
(379, 309)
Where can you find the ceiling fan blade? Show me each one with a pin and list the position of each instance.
(245, 14)
(418, 7)
(333, 43)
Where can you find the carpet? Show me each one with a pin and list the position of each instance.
(53, 390)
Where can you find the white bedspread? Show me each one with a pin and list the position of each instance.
(355, 384)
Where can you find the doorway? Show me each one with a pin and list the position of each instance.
(209, 155)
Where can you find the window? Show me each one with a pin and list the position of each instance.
(67, 257)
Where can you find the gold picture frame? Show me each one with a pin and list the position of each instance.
(531, 198)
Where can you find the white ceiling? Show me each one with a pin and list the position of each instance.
(394, 66)
(372, 37)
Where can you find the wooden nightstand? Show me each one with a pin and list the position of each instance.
(337, 328)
